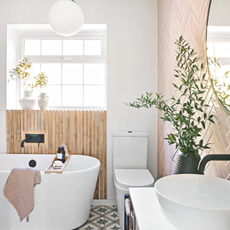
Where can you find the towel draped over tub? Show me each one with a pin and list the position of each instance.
(19, 189)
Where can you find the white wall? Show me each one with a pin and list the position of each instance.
(219, 13)
(132, 62)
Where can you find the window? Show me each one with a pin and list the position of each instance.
(218, 43)
(75, 66)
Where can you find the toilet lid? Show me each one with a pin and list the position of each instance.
(126, 178)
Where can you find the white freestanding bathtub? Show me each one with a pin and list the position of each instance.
(62, 201)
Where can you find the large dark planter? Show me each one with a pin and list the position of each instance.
(186, 164)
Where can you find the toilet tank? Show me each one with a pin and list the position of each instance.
(130, 150)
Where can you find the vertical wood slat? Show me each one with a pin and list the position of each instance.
(57, 131)
(71, 146)
(105, 155)
(28, 128)
(97, 192)
(32, 129)
(54, 147)
(84, 132)
(19, 130)
(75, 132)
(25, 128)
(46, 149)
(15, 130)
(101, 147)
(64, 127)
(50, 146)
(68, 129)
(61, 126)
(90, 133)
(79, 113)
(8, 131)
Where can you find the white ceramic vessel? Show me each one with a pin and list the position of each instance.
(198, 202)
(62, 201)
(43, 101)
(27, 101)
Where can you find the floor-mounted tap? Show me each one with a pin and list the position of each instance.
(212, 157)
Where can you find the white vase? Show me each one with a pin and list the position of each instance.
(27, 101)
(43, 101)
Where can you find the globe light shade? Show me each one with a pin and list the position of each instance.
(66, 17)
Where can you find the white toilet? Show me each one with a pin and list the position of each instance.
(129, 165)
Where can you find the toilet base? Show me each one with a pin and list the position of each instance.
(120, 197)
(136, 177)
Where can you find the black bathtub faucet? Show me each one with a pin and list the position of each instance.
(212, 157)
(23, 141)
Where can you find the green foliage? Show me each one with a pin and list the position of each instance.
(21, 74)
(187, 112)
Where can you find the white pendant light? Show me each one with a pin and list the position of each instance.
(66, 17)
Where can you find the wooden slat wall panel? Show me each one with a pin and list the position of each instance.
(83, 131)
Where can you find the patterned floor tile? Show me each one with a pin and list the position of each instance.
(102, 217)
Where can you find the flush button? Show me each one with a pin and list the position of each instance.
(130, 131)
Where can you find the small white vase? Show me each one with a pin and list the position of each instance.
(43, 101)
(27, 101)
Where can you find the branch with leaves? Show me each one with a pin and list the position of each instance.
(183, 111)
(221, 82)
(21, 74)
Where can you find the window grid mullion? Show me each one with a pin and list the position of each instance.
(62, 76)
(61, 84)
(83, 85)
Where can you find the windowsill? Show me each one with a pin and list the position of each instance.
(57, 109)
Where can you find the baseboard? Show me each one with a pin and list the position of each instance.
(104, 202)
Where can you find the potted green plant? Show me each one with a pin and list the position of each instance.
(21, 74)
(187, 113)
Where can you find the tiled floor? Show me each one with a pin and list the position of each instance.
(102, 218)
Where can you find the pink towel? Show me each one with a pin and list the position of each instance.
(19, 189)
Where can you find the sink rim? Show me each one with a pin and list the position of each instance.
(188, 205)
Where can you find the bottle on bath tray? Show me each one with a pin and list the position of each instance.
(61, 154)
(65, 148)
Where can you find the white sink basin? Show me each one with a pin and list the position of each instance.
(195, 202)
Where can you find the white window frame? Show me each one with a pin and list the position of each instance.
(89, 35)
(219, 36)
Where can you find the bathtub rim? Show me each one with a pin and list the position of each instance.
(64, 172)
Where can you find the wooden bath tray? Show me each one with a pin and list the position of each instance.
(50, 168)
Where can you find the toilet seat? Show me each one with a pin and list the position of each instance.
(126, 178)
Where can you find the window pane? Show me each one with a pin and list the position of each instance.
(222, 49)
(53, 71)
(32, 47)
(92, 47)
(94, 74)
(51, 47)
(72, 74)
(72, 96)
(72, 47)
(35, 70)
(220, 72)
(54, 94)
(94, 95)
(210, 50)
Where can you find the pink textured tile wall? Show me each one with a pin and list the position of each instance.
(187, 18)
